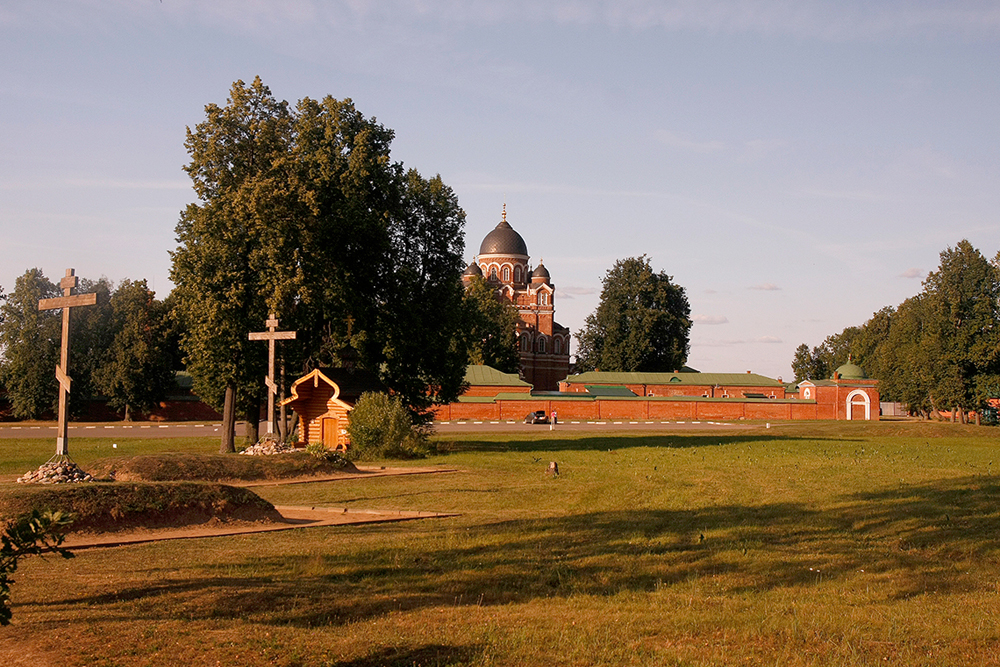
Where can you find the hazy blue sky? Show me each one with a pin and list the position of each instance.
(795, 165)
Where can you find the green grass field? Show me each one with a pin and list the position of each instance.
(804, 544)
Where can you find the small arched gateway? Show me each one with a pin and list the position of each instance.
(859, 405)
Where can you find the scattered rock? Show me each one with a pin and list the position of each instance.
(268, 448)
(56, 472)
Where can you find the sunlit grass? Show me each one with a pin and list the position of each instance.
(802, 545)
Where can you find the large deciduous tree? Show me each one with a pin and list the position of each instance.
(303, 213)
(225, 268)
(641, 323)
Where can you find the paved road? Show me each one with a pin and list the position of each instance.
(11, 430)
(121, 430)
(461, 426)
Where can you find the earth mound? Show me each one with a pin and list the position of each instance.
(102, 507)
(219, 467)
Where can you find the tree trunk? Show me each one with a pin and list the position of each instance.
(979, 419)
(128, 417)
(228, 444)
(253, 420)
(282, 412)
(954, 414)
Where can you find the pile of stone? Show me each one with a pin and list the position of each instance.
(55, 472)
(267, 448)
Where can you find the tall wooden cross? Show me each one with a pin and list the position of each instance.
(66, 301)
(270, 336)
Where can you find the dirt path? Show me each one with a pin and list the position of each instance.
(291, 518)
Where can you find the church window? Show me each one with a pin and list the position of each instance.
(556, 347)
(517, 274)
(493, 273)
(543, 299)
(506, 274)
(541, 345)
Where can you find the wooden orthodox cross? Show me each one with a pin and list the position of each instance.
(270, 336)
(66, 301)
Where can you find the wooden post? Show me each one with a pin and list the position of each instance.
(66, 301)
(270, 336)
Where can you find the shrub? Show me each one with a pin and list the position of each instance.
(380, 428)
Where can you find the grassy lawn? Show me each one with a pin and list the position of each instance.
(803, 544)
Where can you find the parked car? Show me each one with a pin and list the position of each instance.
(536, 417)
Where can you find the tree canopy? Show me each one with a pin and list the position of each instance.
(642, 322)
(303, 213)
(491, 327)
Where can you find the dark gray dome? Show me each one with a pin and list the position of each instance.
(503, 240)
(472, 270)
(541, 272)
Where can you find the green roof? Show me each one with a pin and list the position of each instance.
(609, 390)
(479, 375)
(699, 379)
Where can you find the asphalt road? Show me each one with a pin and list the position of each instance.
(11, 430)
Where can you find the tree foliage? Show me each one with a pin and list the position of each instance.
(29, 342)
(491, 327)
(303, 213)
(117, 347)
(641, 323)
(136, 367)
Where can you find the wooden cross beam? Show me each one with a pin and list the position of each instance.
(66, 301)
(270, 336)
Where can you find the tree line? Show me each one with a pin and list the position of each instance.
(938, 350)
(300, 212)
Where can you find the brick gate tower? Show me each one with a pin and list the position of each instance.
(542, 342)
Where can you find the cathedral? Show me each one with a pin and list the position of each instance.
(542, 342)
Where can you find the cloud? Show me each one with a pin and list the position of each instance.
(568, 292)
(766, 287)
(768, 339)
(674, 141)
(709, 319)
(711, 342)
(912, 273)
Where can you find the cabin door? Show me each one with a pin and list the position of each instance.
(331, 432)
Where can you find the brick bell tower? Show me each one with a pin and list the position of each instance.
(542, 342)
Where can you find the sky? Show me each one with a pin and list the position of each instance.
(794, 165)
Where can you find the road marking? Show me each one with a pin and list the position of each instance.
(199, 426)
(633, 422)
(695, 422)
(650, 422)
(681, 422)
(574, 422)
(463, 423)
(109, 427)
(444, 422)
(90, 427)
(126, 427)
(477, 422)
(16, 428)
(161, 426)
(494, 422)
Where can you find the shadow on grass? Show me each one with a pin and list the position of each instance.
(914, 539)
(620, 441)
(433, 654)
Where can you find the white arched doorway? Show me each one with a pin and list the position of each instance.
(858, 400)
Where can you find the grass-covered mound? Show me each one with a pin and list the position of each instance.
(128, 506)
(217, 467)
